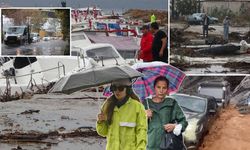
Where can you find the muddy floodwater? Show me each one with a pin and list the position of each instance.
(56, 122)
(216, 64)
(78, 143)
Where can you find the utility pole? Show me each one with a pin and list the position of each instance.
(29, 29)
(173, 10)
(199, 6)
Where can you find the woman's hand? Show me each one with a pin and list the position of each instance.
(101, 117)
(169, 127)
(149, 113)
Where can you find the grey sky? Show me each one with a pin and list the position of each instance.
(106, 4)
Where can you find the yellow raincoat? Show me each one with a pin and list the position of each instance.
(152, 18)
(128, 130)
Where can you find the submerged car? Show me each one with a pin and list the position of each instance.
(197, 18)
(46, 38)
(200, 111)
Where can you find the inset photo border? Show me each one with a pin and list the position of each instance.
(210, 37)
(35, 31)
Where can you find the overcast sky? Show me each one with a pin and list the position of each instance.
(105, 4)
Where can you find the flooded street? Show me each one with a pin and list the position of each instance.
(79, 143)
(51, 122)
(52, 47)
(216, 64)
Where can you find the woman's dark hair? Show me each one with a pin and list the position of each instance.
(161, 78)
(155, 25)
(111, 102)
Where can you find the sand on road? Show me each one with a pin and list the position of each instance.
(231, 131)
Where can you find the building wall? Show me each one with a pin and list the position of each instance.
(233, 5)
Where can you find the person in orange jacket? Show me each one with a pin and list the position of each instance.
(145, 52)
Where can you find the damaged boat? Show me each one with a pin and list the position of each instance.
(227, 49)
(36, 73)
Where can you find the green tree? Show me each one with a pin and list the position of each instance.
(64, 18)
(20, 16)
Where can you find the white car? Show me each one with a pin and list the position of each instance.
(35, 37)
(46, 38)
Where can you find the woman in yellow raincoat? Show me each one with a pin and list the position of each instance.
(123, 119)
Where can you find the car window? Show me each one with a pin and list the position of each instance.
(216, 92)
(189, 103)
(15, 30)
(21, 62)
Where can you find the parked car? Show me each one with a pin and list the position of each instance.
(35, 37)
(220, 90)
(197, 18)
(46, 38)
(200, 111)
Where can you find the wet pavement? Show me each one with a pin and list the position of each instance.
(52, 47)
(49, 121)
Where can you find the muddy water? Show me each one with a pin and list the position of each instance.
(216, 64)
(46, 113)
(52, 47)
(66, 144)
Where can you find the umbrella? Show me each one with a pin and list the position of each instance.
(93, 77)
(144, 86)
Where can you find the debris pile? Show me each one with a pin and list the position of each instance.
(145, 15)
(27, 94)
(241, 96)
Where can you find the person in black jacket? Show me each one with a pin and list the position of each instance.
(159, 45)
(205, 26)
